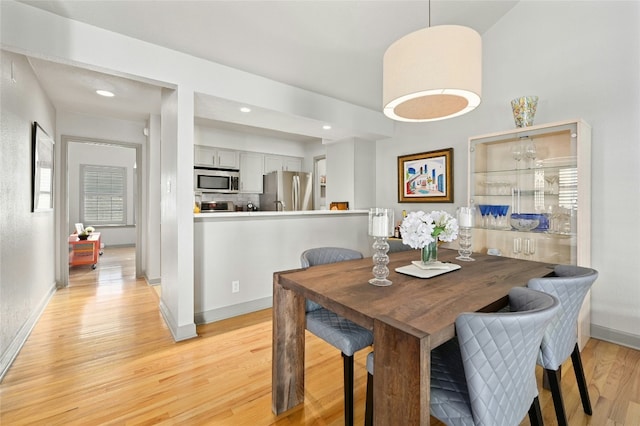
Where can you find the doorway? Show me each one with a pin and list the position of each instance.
(102, 188)
(320, 190)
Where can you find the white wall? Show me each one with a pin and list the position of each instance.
(77, 126)
(151, 245)
(582, 60)
(313, 150)
(340, 160)
(351, 174)
(364, 181)
(176, 234)
(27, 240)
(243, 141)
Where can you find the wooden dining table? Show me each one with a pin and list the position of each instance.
(408, 319)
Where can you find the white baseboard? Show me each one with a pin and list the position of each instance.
(615, 336)
(179, 333)
(18, 342)
(152, 281)
(233, 310)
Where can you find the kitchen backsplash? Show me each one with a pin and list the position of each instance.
(239, 200)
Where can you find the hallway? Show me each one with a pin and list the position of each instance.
(116, 264)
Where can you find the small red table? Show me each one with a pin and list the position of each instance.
(84, 252)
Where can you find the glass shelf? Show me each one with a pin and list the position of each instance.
(523, 193)
(522, 171)
(515, 231)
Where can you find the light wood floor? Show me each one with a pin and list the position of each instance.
(101, 354)
(115, 265)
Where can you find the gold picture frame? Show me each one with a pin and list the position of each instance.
(426, 177)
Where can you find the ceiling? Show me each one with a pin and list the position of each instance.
(334, 48)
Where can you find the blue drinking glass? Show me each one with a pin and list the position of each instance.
(484, 211)
(495, 211)
(503, 214)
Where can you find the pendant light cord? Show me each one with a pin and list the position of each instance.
(429, 14)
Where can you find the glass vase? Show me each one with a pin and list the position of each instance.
(380, 228)
(430, 253)
(380, 262)
(524, 109)
(464, 240)
(466, 220)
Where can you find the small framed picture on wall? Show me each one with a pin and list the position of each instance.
(426, 177)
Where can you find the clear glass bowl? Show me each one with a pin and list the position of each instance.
(524, 224)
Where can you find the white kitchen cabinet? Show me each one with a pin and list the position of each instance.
(293, 164)
(543, 172)
(273, 163)
(204, 155)
(251, 172)
(215, 157)
(228, 158)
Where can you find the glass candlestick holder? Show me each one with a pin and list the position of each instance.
(466, 217)
(380, 228)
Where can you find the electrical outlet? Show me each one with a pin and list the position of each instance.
(235, 286)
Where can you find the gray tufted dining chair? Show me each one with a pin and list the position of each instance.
(569, 284)
(331, 327)
(486, 376)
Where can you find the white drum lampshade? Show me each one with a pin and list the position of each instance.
(433, 74)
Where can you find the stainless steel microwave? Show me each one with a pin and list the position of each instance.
(210, 179)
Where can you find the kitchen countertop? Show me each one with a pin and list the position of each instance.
(261, 214)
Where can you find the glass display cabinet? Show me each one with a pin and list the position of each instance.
(531, 190)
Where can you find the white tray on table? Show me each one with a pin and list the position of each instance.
(419, 270)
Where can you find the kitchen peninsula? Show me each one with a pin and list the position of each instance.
(241, 251)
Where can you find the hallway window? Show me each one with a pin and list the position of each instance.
(103, 195)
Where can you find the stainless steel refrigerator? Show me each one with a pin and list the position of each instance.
(287, 191)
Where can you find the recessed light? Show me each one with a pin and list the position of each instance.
(106, 93)
(245, 109)
(326, 127)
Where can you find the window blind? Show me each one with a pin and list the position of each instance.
(568, 188)
(103, 195)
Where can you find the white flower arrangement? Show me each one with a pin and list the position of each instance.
(419, 229)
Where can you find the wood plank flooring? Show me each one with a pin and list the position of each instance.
(101, 354)
(116, 264)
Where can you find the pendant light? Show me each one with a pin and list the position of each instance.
(433, 74)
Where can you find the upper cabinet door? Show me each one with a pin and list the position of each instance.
(204, 156)
(272, 163)
(293, 164)
(251, 171)
(215, 157)
(228, 158)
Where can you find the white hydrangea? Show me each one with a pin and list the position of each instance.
(419, 229)
(446, 224)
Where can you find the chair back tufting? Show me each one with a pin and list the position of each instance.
(569, 284)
